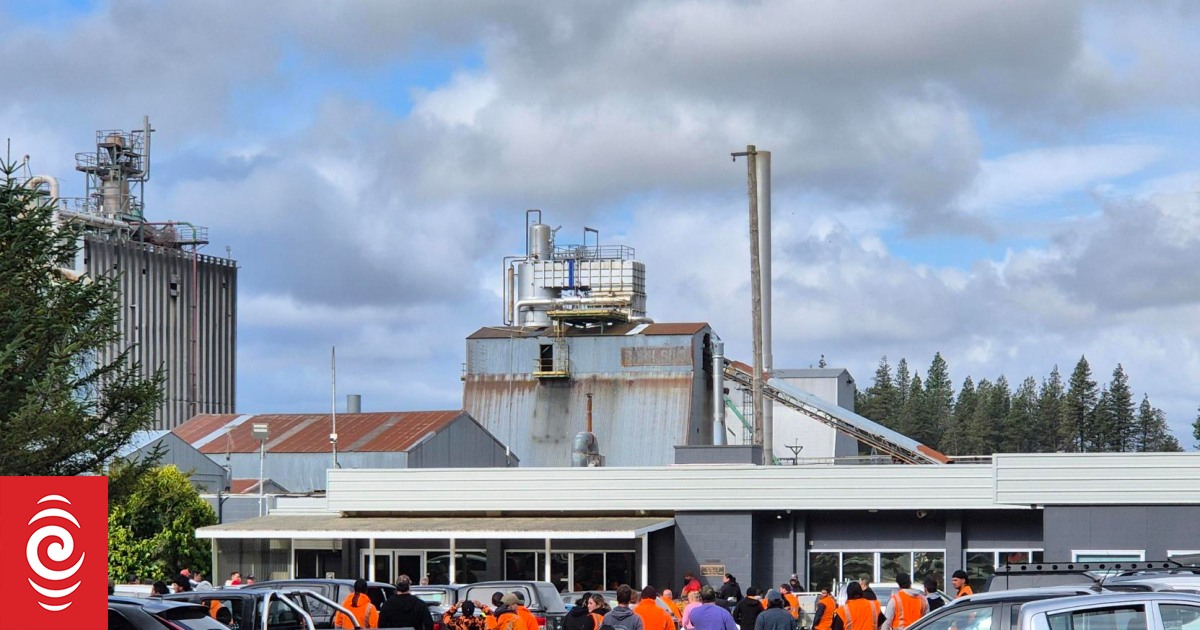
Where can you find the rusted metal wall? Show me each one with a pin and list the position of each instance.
(649, 394)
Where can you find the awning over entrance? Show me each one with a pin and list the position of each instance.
(333, 526)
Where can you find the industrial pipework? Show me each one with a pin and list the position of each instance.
(571, 282)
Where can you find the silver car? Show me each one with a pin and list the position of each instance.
(1113, 611)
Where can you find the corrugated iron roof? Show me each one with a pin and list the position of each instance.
(309, 433)
(507, 332)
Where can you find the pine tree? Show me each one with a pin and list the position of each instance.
(1122, 411)
(881, 401)
(1022, 434)
(954, 440)
(1080, 402)
(938, 407)
(61, 411)
(1151, 433)
(1196, 430)
(980, 427)
(1101, 424)
(903, 380)
(1051, 410)
(913, 407)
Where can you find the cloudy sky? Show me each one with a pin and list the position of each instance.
(1012, 184)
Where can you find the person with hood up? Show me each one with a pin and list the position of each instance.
(774, 617)
(858, 613)
(622, 617)
(708, 615)
(360, 606)
(579, 617)
(730, 589)
(654, 617)
(746, 612)
(794, 583)
(405, 610)
(905, 606)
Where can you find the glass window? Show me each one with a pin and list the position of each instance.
(468, 564)
(892, 563)
(1179, 617)
(589, 572)
(560, 566)
(1107, 556)
(965, 618)
(1127, 618)
(618, 569)
(280, 616)
(858, 565)
(1013, 557)
(523, 565)
(823, 570)
(980, 566)
(928, 563)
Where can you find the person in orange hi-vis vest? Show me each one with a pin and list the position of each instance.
(905, 606)
(823, 613)
(526, 616)
(959, 581)
(507, 617)
(789, 598)
(654, 617)
(360, 605)
(857, 613)
(668, 598)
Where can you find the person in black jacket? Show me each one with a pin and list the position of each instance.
(730, 589)
(579, 618)
(746, 612)
(405, 610)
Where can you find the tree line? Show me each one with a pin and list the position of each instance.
(1046, 416)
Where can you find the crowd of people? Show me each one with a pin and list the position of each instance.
(702, 608)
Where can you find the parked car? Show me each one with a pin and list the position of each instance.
(334, 588)
(131, 613)
(251, 608)
(541, 598)
(996, 610)
(1164, 610)
(883, 591)
(570, 597)
(1180, 580)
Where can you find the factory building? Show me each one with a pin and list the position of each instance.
(178, 305)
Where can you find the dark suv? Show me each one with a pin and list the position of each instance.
(334, 588)
(130, 613)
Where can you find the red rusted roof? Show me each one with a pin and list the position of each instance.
(309, 433)
(690, 328)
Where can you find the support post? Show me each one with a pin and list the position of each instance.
(453, 562)
(751, 155)
(546, 567)
(763, 190)
(371, 564)
(645, 559)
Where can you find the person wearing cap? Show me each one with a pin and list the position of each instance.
(654, 617)
(405, 610)
(905, 606)
(523, 612)
(360, 606)
(709, 616)
(858, 613)
(774, 617)
(794, 583)
(622, 617)
(506, 614)
(959, 581)
(748, 609)
(468, 620)
(823, 612)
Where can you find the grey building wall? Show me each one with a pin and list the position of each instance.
(715, 538)
(709, 454)
(1153, 529)
(205, 473)
(159, 288)
(305, 472)
(773, 539)
(462, 444)
(649, 394)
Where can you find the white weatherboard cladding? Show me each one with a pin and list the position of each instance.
(672, 488)
(1098, 478)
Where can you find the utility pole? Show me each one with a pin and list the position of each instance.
(751, 155)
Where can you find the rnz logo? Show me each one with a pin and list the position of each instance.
(54, 585)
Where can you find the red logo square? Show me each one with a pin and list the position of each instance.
(54, 541)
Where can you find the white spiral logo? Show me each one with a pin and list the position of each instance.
(58, 551)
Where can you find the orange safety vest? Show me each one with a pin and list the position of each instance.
(964, 591)
(508, 617)
(674, 608)
(859, 614)
(907, 609)
(826, 620)
(653, 616)
(793, 604)
(365, 612)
